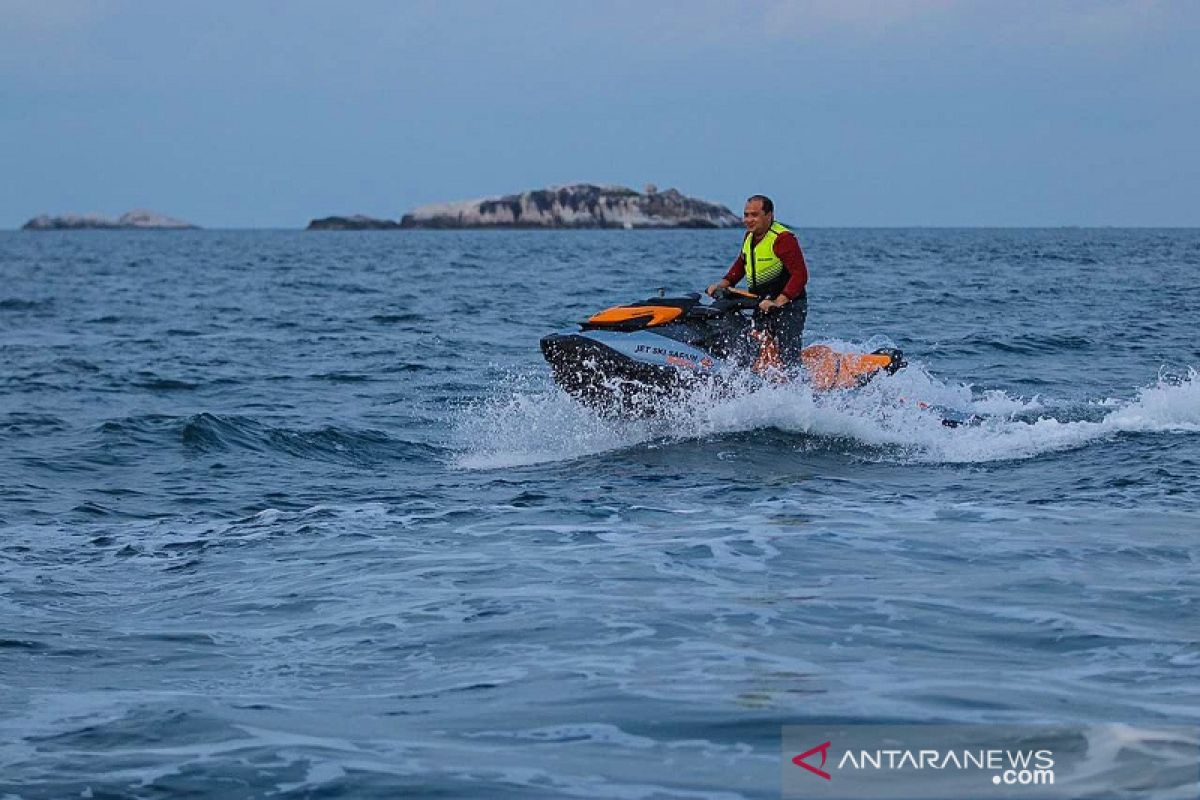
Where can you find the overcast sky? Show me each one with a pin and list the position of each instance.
(847, 112)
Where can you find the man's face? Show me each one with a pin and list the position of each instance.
(757, 221)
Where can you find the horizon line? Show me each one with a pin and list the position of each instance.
(512, 229)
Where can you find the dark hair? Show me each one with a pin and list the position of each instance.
(768, 206)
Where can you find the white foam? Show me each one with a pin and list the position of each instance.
(898, 416)
(529, 422)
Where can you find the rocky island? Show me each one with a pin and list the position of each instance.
(581, 205)
(132, 220)
(357, 222)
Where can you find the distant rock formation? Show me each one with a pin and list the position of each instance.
(581, 205)
(356, 222)
(139, 219)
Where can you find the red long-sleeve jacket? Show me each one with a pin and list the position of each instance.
(787, 248)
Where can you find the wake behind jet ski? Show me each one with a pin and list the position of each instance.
(632, 358)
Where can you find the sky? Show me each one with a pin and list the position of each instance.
(846, 112)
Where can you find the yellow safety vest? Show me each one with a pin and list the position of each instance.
(765, 273)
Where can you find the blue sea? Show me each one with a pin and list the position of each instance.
(296, 515)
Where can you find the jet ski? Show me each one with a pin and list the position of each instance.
(634, 357)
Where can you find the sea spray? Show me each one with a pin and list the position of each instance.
(901, 416)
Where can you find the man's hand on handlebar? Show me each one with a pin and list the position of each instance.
(769, 305)
(716, 287)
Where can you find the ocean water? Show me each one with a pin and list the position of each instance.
(294, 514)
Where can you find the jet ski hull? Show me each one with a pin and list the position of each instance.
(629, 372)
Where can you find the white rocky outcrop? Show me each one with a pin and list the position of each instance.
(130, 220)
(581, 205)
(142, 218)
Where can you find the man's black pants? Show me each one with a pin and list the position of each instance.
(787, 326)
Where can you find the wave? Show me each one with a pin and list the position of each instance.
(22, 304)
(904, 417)
(1028, 345)
(205, 433)
(30, 424)
(210, 432)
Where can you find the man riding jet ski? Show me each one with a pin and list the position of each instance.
(632, 357)
(773, 265)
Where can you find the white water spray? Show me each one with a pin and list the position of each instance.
(534, 422)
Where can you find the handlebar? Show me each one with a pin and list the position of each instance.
(737, 301)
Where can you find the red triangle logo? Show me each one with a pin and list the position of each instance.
(823, 749)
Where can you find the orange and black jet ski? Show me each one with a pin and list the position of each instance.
(632, 357)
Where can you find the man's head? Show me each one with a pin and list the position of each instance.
(759, 214)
